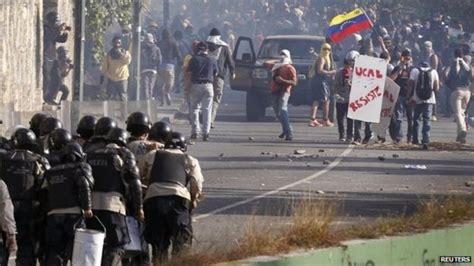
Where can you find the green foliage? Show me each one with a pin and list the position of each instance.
(99, 16)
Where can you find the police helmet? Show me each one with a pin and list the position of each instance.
(59, 138)
(86, 125)
(48, 125)
(160, 131)
(104, 125)
(177, 141)
(138, 123)
(23, 138)
(35, 122)
(118, 136)
(73, 152)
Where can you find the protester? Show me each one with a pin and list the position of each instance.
(203, 70)
(54, 32)
(401, 76)
(283, 80)
(342, 88)
(321, 74)
(7, 225)
(115, 69)
(171, 57)
(459, 76)
(423, 84)
(220, 51)
(60, 69)
(150, 63)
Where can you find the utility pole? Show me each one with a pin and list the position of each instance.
(79, 39)
(137, 29)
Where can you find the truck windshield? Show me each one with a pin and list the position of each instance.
(299, 49)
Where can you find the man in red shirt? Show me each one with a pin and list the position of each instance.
(284, 79)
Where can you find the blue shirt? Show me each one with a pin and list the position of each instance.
(203, 69)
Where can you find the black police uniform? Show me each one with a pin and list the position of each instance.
(69, 188)
(168, 218)
(22, 171)
(116, 182)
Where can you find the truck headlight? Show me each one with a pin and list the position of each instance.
(260, 73)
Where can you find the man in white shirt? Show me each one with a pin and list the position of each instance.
(423, 83)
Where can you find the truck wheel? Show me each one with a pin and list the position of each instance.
(255, 107)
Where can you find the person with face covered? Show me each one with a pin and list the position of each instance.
(321, 73)
(61, 68)
(54, 32)
(342, 92)
(221, 52)
(401, 76)
(429, 55)
(284, 78)
(115, 69)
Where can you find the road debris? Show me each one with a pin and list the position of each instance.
(299, 152)
(416, 166)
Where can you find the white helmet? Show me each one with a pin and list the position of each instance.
(351, 56)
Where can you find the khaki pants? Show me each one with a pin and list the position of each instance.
(459, 100)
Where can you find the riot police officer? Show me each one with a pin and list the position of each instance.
(174, 188)
(101, 128)
(139, 125)
(68, 187)
(35, 122)
(116, 184)
(85, 129)
(47, 126)
(22, 170)
(57, 140)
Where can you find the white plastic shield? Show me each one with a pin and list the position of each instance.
(389, 101)
(368, 81)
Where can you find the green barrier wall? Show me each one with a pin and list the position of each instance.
(419, 249)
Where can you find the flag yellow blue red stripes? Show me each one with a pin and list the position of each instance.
(346, 24)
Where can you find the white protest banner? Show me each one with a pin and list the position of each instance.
(368, 81)
(390, 96)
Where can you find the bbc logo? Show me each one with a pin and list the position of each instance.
(455, 259)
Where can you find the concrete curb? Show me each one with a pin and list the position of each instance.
(418, 249)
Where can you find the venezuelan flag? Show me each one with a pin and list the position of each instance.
(346, 24)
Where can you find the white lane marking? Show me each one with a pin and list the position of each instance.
(266, 194)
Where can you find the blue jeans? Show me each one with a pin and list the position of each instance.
(200, 97)
(424, 110)
(280, 106)
(395, 128)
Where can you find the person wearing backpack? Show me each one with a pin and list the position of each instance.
(458, 79)
(423, 83)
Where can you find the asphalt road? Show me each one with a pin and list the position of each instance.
(253, 183)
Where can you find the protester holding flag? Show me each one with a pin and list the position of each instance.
(321, 73)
